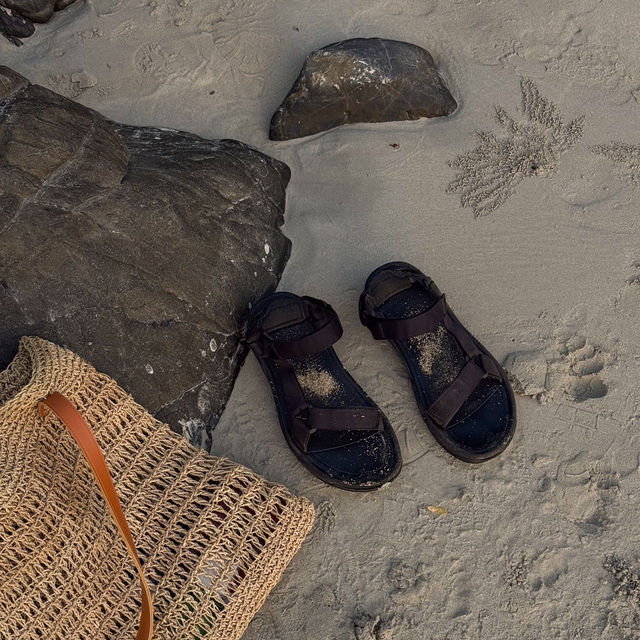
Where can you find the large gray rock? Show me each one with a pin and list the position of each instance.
(35, 10)
(13, 26)
(139, 248)
(362, 80)
(17, 16)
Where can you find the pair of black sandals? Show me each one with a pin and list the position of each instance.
(333, 427)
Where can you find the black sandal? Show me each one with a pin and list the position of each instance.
(329, 422)
(462, 392)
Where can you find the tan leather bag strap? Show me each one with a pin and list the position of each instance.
(83, 435)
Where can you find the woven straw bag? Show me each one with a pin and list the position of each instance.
(213, 538)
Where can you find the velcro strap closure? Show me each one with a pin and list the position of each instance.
(324, 323)
(443, 410)
(405, 328)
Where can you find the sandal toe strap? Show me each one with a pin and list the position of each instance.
(311, 419)
(455, 395)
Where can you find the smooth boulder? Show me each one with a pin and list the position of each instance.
(362, 80)
(139, 248)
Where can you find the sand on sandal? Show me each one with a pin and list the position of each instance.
(317, 382)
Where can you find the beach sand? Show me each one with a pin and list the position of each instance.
(543, 266)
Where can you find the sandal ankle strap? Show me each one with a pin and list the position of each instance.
(327, 330)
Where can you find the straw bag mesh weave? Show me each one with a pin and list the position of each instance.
(213, 536)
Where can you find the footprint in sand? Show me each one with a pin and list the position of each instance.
(586, 492)
(325, 518)
(157, 66)
(410, 582)
(546, 568)
(368, 627)
(572, 367)
(581, 365)
(533, 573)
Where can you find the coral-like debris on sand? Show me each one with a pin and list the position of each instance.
(625, 156)
(530, 146)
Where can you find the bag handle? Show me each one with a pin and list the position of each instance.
(81, 432)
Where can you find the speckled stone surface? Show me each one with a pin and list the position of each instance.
(139, 248)
(362, 80)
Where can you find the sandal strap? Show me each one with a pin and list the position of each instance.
(390, 285)
(307, 419)
(311, 419)
(328, 330)
(405, 328)
(479, 365)
(400, 279)
(456, 394)
(335, 418)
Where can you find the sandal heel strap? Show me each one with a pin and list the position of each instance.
(318, 341)
(406, 328)
(328, 330)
